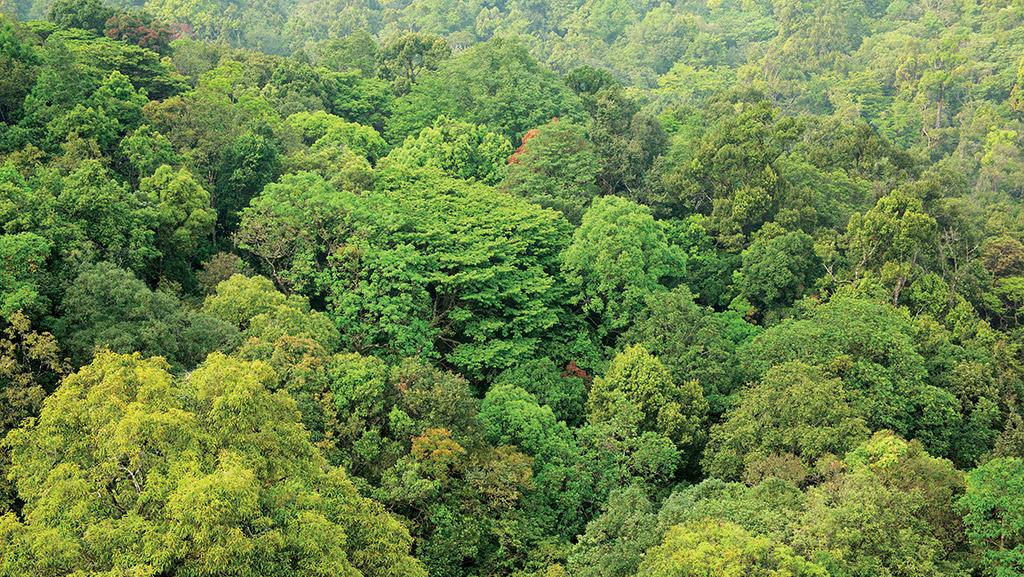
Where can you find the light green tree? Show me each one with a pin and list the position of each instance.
(207, 475)
(712, 547)
(638, 378)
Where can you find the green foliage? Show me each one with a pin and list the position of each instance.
(777, 268)
(617, 452)
(404, 57)
(637, 378)
(86, 212)
(894, 238)
(561, 390)
(691, 341)
(18, 61)
(320, 130)
(618, 256)
(108, 308)
(767, 508)
(23, 257)
(145, 150)
(722, 548)
(890, 512)
(450, 267)
(615, 542)
(88, 15)
(145, 68)
(555, 167)
(870, 346)
(357, 52)
(740, 241)
(240, 298)
(628, 142)
(458, 149)
(30, 364)
(496, 84)
(511, 416)
(993, 514)
(794, 419)
(733, 174)
(291, 226)
(208, 474)
(179, 214)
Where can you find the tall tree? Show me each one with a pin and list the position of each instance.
(676, 410)
(618, 256)
(994, 514)
(208, 475)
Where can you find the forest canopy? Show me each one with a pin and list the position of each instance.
(588, 288)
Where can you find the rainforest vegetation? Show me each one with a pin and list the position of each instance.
(523, 288)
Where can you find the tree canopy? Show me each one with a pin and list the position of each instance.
(530, 288)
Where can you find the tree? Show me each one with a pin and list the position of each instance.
(338, 150)
(785, 426)
(206, 475)
(511, 416)
(18, 60)
(179, 213)
(404, 57)
(618, 257)
(732, 174)
(722, 548)
(143, 151)
(240, 298)
(658, 41)
(496, 84)
(563, 391)
(293, 226)
(1002, 165)
(442, 266)
(627, 142)
(91, 15)
(140, 28)
(250, 163)
(23, 259)
(890, 512)
(459, 149)
(869, 345)
(98, 57)
(616, 452)
(201, 123)
(778, 267)
(321, 129)
(357, 52)
(767, 508)
(555, 166)
(994, 514)
(638, 378)
(690, 340)
(61, 82)
(109, 308)
(106, 216)
(120, 101)
(84, 123)
(896, 238)
(30, 365)
(614, 543)
(287, 325)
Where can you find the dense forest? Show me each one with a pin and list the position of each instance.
(524, 288)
